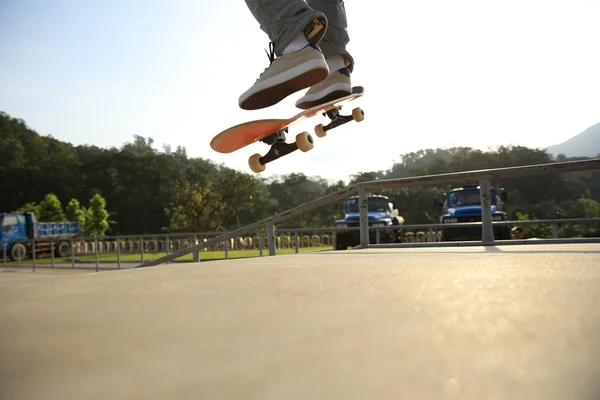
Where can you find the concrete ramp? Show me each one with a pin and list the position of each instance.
(507, 322)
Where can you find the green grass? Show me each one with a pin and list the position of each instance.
(128, 257)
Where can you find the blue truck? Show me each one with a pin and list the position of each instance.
(463, 204)
(381, 214)
(21, 230)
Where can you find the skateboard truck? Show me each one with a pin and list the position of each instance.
(338, 119)
(280, 148)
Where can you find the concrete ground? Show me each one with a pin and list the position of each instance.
(506, 322)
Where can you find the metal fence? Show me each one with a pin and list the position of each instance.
(115, 252)
(483, 177)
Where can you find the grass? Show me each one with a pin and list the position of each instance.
(130, 258)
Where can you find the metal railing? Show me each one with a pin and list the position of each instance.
(483, 177)
(29, 253)
(115, 252)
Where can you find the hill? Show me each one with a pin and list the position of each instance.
(586, 144)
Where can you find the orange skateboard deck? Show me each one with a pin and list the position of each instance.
(273, 131)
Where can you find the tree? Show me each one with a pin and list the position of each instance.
(30, 207)
(196, 207)
(240, 194)
(96, 220)
(140, 146)
(50, 209)
(74, 212)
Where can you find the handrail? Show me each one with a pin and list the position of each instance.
(481, 175)
(507, 172)
(323, 201)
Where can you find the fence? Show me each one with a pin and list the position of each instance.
(483, 177)
(116, 248)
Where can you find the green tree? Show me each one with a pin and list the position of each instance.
(74, 212)
(50, 209)
(239, 193)
(196, 207)
(30, 207)
(96, 220)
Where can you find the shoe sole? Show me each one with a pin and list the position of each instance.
(281, 86)
(336, 94)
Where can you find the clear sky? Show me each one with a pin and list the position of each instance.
(437, 73)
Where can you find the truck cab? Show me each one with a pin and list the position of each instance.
(17, 226)
(463, 204)
(381, 213)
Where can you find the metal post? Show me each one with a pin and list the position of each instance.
(377, 236)
(297, 244)
(260, 243)
(142, 248)
(487, 230)
(168, 245)
(118, 252)
(4, 254)
(195, 253)
(364, 218)
(271, 239)
(72, 253)
(431, 236)
(227, 249)
(334, 240)
(96, 252)
(52, 253)
(33, 254)
(555, 231)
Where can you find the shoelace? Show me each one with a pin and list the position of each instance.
(271, 52)
(271, 55)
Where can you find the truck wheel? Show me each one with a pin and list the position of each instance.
(63, 250)
(18, 252)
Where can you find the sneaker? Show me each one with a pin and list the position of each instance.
(285, 75)
(335, 86)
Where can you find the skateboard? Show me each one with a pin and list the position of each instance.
(273, 131)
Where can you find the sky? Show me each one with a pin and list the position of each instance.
(436, 74)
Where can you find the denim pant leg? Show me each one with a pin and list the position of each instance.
(282, 20)
(336, 38)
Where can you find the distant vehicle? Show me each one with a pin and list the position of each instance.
(463, 204)
(381, 214)
(20, 229)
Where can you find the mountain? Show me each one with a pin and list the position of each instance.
(586, 144)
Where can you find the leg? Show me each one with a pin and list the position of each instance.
(283, 20)
(294, 29)
(336, 37)
(339, 61)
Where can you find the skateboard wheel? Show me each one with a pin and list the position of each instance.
(319, 131)
(358, 114)
(304, 142)
(255, 165)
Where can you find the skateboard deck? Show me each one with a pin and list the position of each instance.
(272, 131)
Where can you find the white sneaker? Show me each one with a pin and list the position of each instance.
(285, 75)
(335, 86)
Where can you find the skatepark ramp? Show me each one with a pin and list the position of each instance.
(482, 177)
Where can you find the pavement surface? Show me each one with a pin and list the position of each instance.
(506, 322)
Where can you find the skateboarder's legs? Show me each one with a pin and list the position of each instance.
(294, 28)
(340, 62)
(336, 38)
(284, 20)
